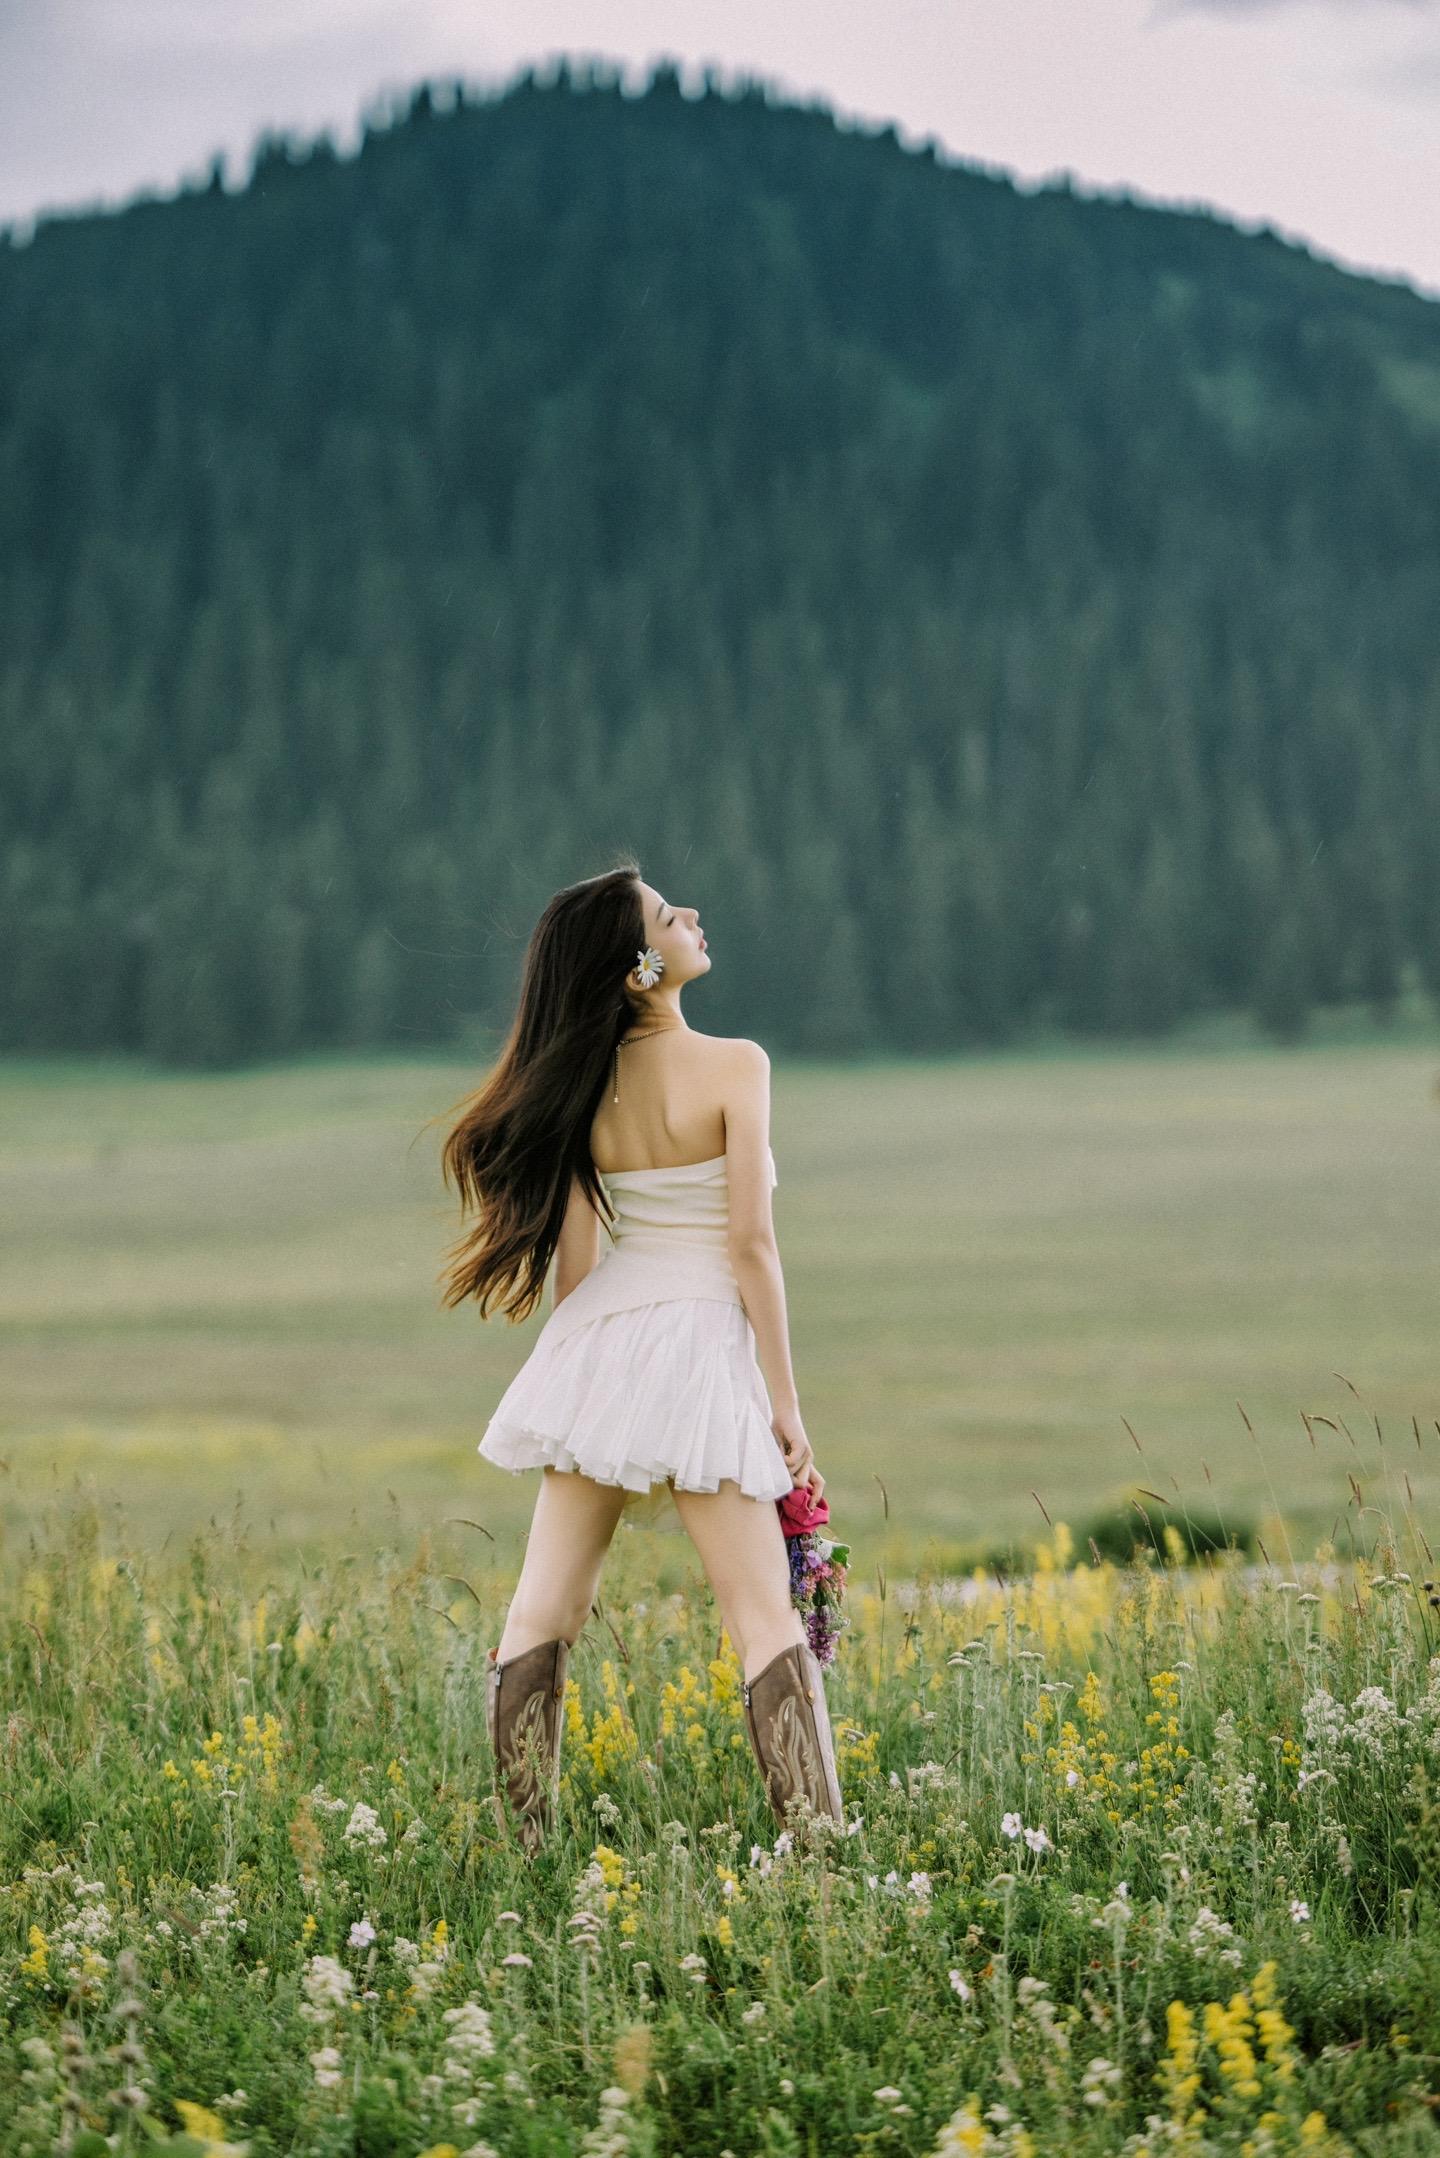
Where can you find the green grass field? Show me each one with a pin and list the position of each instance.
(1139, 1860)
(1134, 1862)
(218, 1294)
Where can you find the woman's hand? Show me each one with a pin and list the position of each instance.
(799, 1459)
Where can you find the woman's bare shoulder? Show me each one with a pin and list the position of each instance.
(736, 1068)
(735, 1048)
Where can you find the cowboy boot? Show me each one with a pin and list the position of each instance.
(523, 1713)
(789, 1725)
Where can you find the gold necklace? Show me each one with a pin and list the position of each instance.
(625, 1043)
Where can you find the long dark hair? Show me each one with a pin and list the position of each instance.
(523, 1135)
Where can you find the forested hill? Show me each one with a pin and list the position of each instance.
(986, 606)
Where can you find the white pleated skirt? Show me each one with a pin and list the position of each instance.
(655, 1394)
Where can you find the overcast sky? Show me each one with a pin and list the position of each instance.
(1320, 117)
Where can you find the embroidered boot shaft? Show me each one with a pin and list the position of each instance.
(789, 1725)
(524, 1698)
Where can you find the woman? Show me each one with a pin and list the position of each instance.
(606, 1104)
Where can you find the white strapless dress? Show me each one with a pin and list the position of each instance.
(645, 1375)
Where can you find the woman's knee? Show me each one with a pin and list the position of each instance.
(570, 1533)
(548, 1612)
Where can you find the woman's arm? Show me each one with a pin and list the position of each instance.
(754, 1253)
(577, 1248)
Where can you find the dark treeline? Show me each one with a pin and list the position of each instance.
(988, 607)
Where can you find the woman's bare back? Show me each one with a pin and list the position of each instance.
(672, 1103)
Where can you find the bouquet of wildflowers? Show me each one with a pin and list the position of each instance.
(817, 1569)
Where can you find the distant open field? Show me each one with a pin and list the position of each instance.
(218, 1294)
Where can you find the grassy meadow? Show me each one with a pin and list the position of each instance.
(1140, 1854)
(1014, 1282)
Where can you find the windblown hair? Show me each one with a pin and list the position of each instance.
(526, 1132)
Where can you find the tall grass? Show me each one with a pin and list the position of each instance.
(1139, 1857)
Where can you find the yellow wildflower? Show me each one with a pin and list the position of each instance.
(611, 1864)
(207, 2128)
(1228, 2030)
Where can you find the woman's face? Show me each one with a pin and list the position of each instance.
(675, 933)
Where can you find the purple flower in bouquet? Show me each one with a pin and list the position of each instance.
(817, 1570)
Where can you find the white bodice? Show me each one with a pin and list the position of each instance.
(670, 1235)
(659, 1210)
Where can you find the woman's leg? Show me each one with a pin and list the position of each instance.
(569, 1535)
(742, 1549)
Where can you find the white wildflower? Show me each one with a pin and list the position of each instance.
(1211, 1935)
(216, 1911)
(468, 2040)
(326, 2064)
(608, 2137)
(1119, 1910)
(327, 1987)
(1033, 1996)
(365, 1826)
(1374, 1723)
(1100, 2083)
